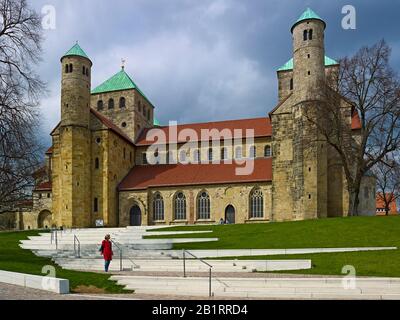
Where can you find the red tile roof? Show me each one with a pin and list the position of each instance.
(142, 177)
(110, 125)
(355, 121)
(261, 126)
(380, 203)
(45, 186)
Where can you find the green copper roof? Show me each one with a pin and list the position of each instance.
(156, 122)
(306, 15)
(76, 50)
(289, 65)
(118, 82)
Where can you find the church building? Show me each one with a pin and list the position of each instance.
(100, 171)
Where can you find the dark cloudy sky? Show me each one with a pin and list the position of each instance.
(201, 60)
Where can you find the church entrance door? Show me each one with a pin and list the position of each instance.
(230, 214)
(135, 216)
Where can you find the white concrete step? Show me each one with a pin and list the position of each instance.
(306, 288)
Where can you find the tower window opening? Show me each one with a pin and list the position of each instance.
(291, 84)
(305, 34)
(111, 103)
(122, 102)
(308, 56)
(87, 72)
(309, 196)
(83, 70)
(310, 34)
(71, 68)
(100, 105)
(309, 72)
(66, 68)
(139, 106)
(96, 205)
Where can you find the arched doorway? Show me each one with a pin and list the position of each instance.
(135, 216)
(230, 214)
(44, 219)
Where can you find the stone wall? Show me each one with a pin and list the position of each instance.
(131, 119)
(221, 196)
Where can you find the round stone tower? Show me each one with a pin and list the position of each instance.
(72, 174)
(75, 88)
(309, 56)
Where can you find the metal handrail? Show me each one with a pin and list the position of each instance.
(54, 237)
(77, 244)
(121, 256)
(201, 260)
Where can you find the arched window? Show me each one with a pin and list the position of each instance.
(252, 152)
(111, 103)
(291, 84)
(310, 34)
(305, 35)
(100, 105)
(196, 156)
(158, 208)
(267, 151)
(122, 102)
(203, 205)
(238, 152)
(96, 163)
(224, 154)
(71, 67)
(210, 154)
(182, 156)
(180, 206)
(256, 204)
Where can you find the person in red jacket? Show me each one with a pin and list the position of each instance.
(106, 251)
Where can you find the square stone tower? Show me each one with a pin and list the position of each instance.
(299, 153)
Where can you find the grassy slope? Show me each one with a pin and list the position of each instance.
(338, 232)
(13, 258)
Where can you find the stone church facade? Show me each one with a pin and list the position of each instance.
(98, 170)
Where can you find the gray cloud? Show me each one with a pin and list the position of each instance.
(200, 60)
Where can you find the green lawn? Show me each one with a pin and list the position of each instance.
(13, 258)
(335, 232)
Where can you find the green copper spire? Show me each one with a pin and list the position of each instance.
(76, 50)
(307, 15)
(289, 65)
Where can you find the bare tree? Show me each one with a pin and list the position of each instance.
(369, 90)
(387, 173)
(20, 91)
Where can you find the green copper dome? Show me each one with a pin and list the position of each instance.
(289, 65)
(307, 15)
(76, 50)
(118, 82)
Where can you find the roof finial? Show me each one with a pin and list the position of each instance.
(123, 63)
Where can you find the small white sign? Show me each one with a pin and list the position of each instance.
(99, 223)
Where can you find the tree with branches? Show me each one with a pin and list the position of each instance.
(387, 173)
(20, 90)
(366, 88)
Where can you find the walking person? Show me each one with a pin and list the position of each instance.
(106, 251)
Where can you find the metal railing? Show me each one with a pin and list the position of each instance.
(121, 256)
(77, 247)
(210, 294)
(54, 237)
